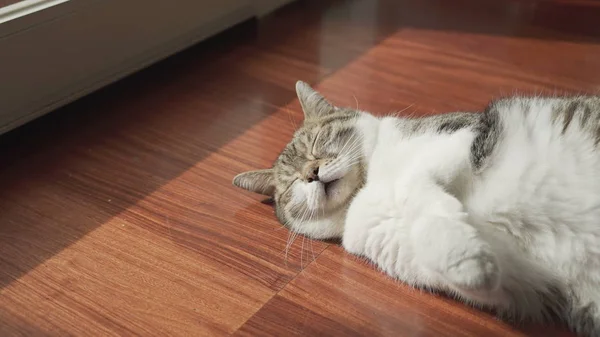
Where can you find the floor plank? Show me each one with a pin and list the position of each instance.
(118, 214)
(342, 295)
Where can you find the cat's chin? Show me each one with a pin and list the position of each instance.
(321, 231)
(329, 186)
(338, 193)
(329, 224)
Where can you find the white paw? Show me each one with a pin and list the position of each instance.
(353, 245)
(475, 272)
(361, 217)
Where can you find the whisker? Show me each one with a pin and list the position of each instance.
(291, 239)
(294, 237)
(287, 247)
(356, 100)
(306, 215)
(312, 249)
(352, 153)
(294, 125)
(352, 156)
(323, 209)
(302, 252)
(401, 111)
(355, 149)
(349, 157)
(355, 141)
(346, 143)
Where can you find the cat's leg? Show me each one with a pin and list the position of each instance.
(445, 242)
(425, 240)
(373, 229)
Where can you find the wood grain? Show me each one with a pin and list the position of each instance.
(118, 214)
(340, 294)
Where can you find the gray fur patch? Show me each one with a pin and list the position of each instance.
(568, 115)
(452, 122)
(578, 114)
(442, 123)
(488, 131)
(584, 320)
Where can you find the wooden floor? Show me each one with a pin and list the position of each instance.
(118, 216)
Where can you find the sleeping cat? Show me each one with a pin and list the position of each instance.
(500, 208)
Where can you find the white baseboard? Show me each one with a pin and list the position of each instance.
(64, 52)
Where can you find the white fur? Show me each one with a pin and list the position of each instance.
(529, 223)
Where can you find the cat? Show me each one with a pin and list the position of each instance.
(499, 208)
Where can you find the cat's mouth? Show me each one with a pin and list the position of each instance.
(329, 186)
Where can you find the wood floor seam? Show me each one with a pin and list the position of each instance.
(282, 288)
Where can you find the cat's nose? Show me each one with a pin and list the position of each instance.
(313, 175)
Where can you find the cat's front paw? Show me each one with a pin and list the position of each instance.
(478, 272)
(454, 249)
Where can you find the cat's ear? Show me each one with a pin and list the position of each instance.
(261, 181)
(313, 104)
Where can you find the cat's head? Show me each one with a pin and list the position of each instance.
(317, 174)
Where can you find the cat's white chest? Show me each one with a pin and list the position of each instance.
(400, 172)
(395, 157)
(403, 161)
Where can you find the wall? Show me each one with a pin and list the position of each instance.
(65, 49)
